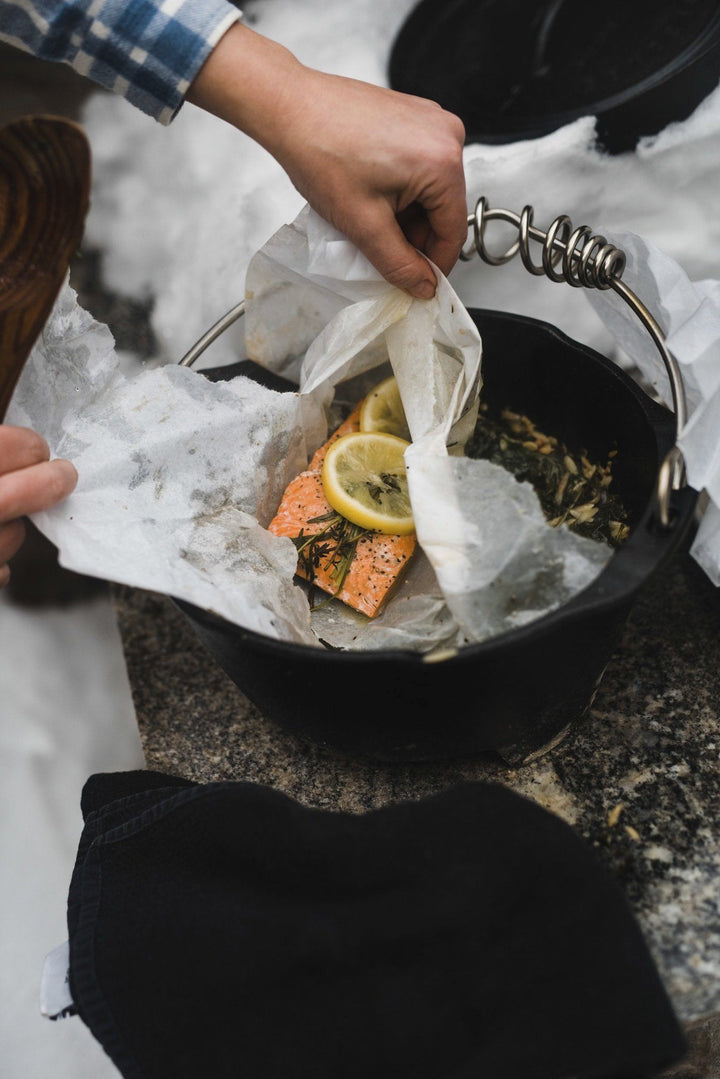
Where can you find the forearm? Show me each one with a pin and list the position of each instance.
(248, 81)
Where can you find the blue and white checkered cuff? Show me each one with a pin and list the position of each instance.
(149, 52)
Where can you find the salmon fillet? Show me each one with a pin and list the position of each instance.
(378, 561)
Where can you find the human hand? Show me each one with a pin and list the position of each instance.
(382, 167)
(29, 481)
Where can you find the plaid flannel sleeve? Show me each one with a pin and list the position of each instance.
(149, 51)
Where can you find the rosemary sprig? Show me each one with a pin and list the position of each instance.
(332, 548)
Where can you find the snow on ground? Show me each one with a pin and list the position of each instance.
(65, 712)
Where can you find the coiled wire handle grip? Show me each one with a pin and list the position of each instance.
(576, 257)
(582, 259)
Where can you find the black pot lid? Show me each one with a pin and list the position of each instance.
(517, 69)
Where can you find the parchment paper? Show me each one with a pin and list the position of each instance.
(179, 476)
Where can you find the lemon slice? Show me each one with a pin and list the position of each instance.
(363, 476)
(382, 410)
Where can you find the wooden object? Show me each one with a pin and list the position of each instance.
(44, 198)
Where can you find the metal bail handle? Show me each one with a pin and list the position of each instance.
(576, 257)
(582, 259)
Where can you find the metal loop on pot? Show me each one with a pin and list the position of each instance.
(665, 483)
(588, 261)
(576, 257)
(581, 259)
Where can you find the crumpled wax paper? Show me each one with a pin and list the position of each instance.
(179, 476)
(318, 313)
(176, 473)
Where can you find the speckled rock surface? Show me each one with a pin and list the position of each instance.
(638, 778)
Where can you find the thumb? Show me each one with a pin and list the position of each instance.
(384, 244)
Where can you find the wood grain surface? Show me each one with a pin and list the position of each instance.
(45, 174)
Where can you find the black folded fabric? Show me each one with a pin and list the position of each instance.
(224, 930)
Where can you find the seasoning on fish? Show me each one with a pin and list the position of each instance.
(358, 566)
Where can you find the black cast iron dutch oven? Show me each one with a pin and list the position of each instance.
(518, 69)
(517, 693)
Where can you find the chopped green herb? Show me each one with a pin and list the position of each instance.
(572, 489)
(332, 547)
